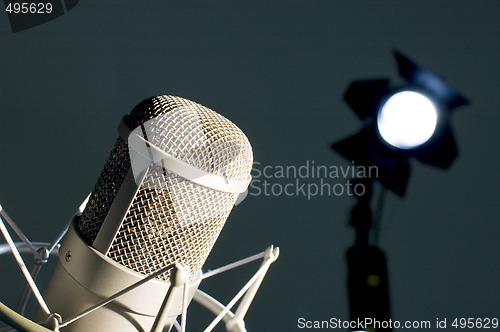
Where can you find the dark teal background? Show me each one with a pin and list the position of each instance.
(278, 70)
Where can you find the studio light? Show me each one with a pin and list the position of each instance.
(409, 120)
(400, 122)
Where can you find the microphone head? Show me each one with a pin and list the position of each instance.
(170, 217)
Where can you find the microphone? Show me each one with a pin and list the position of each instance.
(163, 197)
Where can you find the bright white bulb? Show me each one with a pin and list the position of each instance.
(407, 119)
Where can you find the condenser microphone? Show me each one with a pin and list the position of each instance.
(163, 197)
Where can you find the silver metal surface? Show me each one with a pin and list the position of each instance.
(170, 219)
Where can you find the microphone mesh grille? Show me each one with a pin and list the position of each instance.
(104, 192)
(180, 224)
(171, 219)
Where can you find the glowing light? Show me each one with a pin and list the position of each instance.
(407, 119)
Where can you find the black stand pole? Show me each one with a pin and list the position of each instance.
(367, 270)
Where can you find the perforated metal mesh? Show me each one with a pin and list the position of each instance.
(172, 219)
(104, 192)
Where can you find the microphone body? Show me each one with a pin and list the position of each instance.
(163, 197)
(85, 277)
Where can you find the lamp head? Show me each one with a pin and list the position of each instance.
(411, 121)
(407, 119)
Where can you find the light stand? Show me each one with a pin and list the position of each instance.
(367, 268)
(399, 122)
